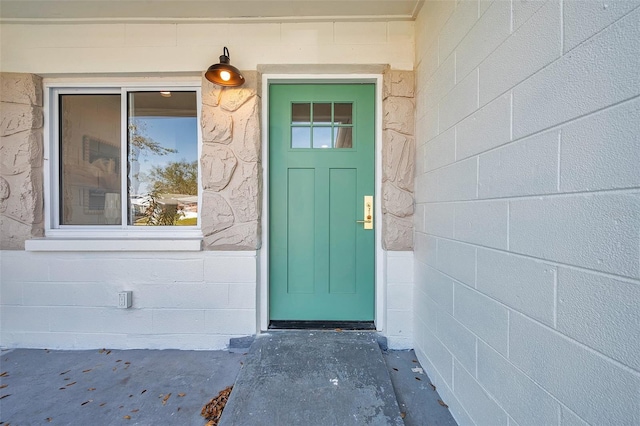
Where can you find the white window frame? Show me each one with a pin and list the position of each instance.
(62, 237)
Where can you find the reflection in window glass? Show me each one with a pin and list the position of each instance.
(322, 137)
(300, 137)
(322, 113)
(163, 158)
(301, 113)
(343, 113)
(90, 163)
(343, 137)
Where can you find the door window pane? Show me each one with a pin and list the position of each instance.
(343, 113)
(163, 158)
(90, 163)
(330, 124)
(301, 137)
(322, 137)
(321, 113)
(301, 113)
(343, 137)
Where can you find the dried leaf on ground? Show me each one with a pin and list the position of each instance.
(62, 374)
(86, 371)
(338, 330)
(166, 398)
(103, 404)
(212, 410)
(127, 417)
(6, 374)
(71, 384)
(3, 386)
(403, 414)
(87, 402)
(181, 394)
(441, 402)
(91, 389)
(49, 419)
(108, 352)
(432, 386)
(127, 362)
(135, 411)
(414, 360)
(4, 396)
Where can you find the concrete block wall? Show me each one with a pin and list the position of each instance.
(182, 300)
(399, 306)
(85, 48)
(527, 244)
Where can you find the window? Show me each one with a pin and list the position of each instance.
(124, 159)
(321, 125)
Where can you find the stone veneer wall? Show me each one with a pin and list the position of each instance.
(231, 165)
(21, 157)
(398, 160)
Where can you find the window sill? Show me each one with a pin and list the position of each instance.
(114, 244)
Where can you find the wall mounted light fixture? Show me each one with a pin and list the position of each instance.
(224, 74)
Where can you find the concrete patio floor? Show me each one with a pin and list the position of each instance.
(157, 387)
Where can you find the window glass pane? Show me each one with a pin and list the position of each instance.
(163, 158)
(343, 113)
(301, 113)
(300, 137)
(342, 137)
(322, 137)
(90, 163)
(322, 113)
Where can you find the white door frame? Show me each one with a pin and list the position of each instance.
(263, 259)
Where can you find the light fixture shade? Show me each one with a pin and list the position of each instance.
(224, 74)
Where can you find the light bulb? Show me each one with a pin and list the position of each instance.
(225, 75)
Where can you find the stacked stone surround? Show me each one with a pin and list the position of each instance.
(21, 159)
(230, 162)
(231, 166)
(398, 160)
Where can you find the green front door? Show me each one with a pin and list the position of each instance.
(321, 167)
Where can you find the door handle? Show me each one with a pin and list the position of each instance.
(368, 212)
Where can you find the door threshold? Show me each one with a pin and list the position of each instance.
(322, 325)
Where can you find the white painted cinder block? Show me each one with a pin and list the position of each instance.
(308, 33)
(524, 400)
(487, 128)
(147, 35)
(485, 317)
(595, 231)
(601, 151)
(460, 102)
(525, 167)
(523, 284)
(425, 249)
(482, 222)
(439, 219)
(531, 47)
(456, 182)
(602, 313)
(482, 409)
(593, 76)
(360, 32)
(437, 286)
(567, 370)
(439, 356)
(457, 27)
(457, 260)
(441, 150)
(493, 27)
(459, 340)
(441, 83)
(584, 19)
(523, 10)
